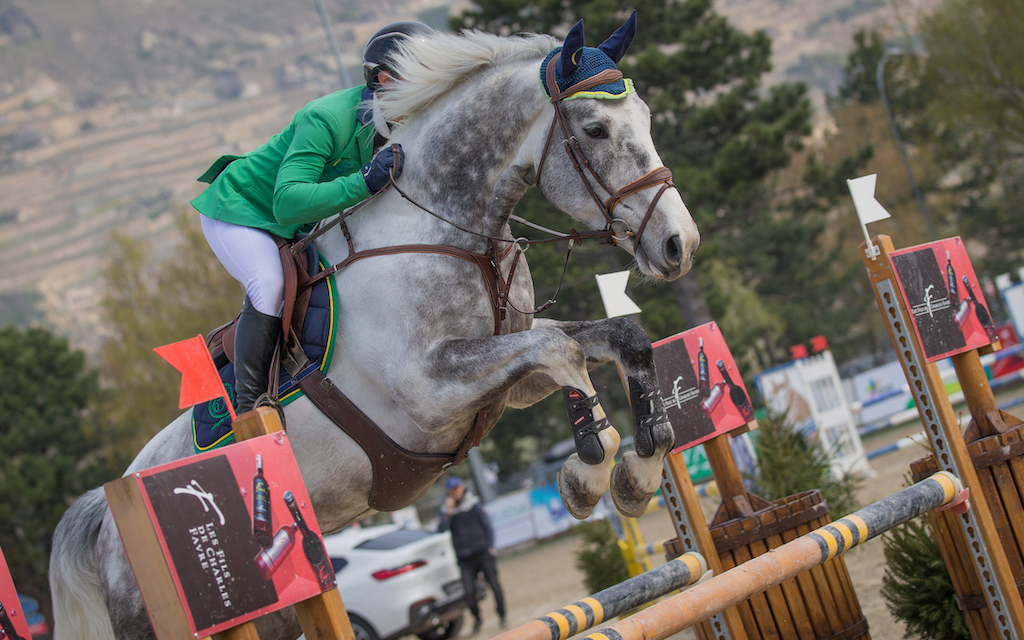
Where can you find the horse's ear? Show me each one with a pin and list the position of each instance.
(568, 61)
(617, 45)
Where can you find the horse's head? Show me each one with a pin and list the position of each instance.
(599, 163)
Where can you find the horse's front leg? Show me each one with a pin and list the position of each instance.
(638, 475)
(526, 365)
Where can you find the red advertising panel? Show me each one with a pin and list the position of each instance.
(939, 287)
(238, 532)
(13, 625)
(704, 393)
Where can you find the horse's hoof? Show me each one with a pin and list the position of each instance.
(585, 429)
(630, 500)
(578, 502)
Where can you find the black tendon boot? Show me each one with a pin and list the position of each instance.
(648, 413)
(255, 341)
(584, 428)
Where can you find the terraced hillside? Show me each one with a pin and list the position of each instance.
(109, 109)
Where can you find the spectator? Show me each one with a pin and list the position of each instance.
(473, 539)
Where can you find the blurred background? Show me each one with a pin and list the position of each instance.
(110, 109)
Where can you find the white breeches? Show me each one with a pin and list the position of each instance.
(251, 257)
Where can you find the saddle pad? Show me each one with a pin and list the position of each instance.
(211, 422)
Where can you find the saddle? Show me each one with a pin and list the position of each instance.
(400, 476)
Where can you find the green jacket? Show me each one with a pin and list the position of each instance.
(305, 173)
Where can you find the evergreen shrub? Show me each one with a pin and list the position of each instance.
(916, 586)
(599, 557)
(788, 464)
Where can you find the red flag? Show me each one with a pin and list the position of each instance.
(199, 378)
(819, 344)
(798, 351)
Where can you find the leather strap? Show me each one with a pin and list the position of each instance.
(400, 476)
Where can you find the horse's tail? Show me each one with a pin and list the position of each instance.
(79, 611)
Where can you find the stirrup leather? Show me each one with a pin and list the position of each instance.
(584, 428)
(648, 412)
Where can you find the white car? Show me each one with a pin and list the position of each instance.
(395, 582)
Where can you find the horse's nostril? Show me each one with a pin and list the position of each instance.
(674, 250)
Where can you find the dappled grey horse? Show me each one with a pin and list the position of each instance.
(425, 347)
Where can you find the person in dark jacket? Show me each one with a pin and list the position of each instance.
(473, 539)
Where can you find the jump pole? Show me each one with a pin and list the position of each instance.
(704, 600)
(625, 596)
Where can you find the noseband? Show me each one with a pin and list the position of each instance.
(616, 230)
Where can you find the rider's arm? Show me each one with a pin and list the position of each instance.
(299, 197)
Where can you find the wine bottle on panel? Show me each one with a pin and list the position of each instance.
(262, 529)
(312, 546)
(980, 311)
(954, 296)
(736, 394)
(703, 379)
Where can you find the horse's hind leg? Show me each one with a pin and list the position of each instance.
(638, 475)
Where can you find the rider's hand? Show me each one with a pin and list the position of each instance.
(377, 172)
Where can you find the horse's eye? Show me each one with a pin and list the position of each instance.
(596, 131)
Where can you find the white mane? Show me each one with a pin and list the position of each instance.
(432, 67)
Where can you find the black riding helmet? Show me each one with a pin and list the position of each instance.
(384, 43)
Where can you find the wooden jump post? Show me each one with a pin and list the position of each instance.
(755, 576)
(613, 601)
(981, 547)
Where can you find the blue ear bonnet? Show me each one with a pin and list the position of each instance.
(589, 62)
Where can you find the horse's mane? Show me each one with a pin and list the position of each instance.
(431, 67)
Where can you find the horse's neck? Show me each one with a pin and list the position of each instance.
(471, 156)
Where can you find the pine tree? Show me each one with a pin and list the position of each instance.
(916, 586)
(599, 556)
(51, 444)
(788, 464)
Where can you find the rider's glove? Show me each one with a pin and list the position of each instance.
(388, 161)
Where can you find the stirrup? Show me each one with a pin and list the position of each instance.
(584, 428)
(648, 412)
(267, 400)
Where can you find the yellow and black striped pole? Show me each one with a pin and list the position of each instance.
(782, 563)
(613, 601)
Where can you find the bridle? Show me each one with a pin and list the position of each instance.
(617, 229)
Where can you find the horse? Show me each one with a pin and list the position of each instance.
(421, 347)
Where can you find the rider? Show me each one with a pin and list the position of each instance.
(318, 165)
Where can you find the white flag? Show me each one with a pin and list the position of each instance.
(613, 293)
(863, 192)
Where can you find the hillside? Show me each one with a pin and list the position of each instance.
(109, 109)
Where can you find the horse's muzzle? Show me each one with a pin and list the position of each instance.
(678, 257)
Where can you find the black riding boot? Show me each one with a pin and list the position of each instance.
(255, 341)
